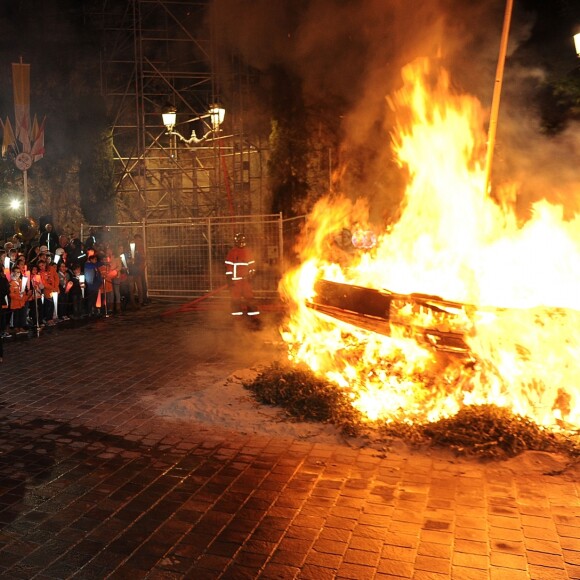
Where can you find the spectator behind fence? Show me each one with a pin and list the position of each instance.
(114, 267)
(92, 239)
(63, 241)
(64, 281)
(93, 281)
(49, 238)
(48, 285)
(76, 253)
(76, 292)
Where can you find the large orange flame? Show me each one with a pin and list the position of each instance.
(452, 240)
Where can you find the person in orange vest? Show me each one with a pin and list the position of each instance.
(240, 270)
(18, 301)
(49, 238)
(48, 285)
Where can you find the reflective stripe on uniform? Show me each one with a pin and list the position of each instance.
(235, 265)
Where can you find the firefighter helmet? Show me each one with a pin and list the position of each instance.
(240, 240)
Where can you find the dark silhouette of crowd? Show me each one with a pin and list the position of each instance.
(58, 278)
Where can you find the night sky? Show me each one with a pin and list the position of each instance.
(346, 53)
(332, 44)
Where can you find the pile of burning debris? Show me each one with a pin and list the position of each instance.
(486, 431)
(483, 431)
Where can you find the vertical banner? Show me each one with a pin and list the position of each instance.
(8, 139)
(21, 82)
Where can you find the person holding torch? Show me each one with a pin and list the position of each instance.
(18, 300)
(93, 281)
(49, 286)
(35, 302)
(77, 292)
(64, 286)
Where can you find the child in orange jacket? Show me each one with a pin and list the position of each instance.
(49, 285)
(18, 300)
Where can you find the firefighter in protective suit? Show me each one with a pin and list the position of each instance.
(240, 269)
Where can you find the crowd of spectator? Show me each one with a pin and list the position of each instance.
(58, 278)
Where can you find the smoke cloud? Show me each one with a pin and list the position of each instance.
(352, 51)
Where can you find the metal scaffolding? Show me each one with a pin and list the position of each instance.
(160, 52)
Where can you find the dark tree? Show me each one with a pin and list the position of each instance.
(550, 47)
(288, 142)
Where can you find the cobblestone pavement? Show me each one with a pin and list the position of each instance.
(95, 484)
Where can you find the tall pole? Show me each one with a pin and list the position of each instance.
(25, 178)
(497, 94)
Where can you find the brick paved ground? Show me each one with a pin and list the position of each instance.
(95, 484)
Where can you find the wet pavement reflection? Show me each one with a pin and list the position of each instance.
(95, 484)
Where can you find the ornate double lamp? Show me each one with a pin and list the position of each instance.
(215, 114)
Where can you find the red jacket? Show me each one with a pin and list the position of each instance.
(18, 299)
(49, 279)
(240, 263)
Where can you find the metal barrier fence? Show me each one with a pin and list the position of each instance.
(185, 258)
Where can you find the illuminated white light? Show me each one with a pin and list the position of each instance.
(217, 115)
(169, 117)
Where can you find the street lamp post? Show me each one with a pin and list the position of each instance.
(497, 95)
(24, 162)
